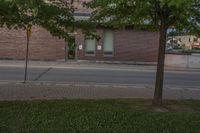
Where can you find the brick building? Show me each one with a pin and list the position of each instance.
(114, 45)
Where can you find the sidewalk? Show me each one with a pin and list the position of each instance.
(49, 90)
(90, 65)
(46, 91)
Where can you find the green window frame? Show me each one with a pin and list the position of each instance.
(108, 48)
(90, 45)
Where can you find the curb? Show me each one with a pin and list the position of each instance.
(96, 65)
(98, 85)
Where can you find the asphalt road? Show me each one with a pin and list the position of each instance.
(99, 76)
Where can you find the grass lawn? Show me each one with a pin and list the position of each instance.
(99, 116)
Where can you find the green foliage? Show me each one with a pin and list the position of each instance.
(160, 15)
(182, 14)
(55, 16)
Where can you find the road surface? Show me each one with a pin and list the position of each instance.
(102, 76)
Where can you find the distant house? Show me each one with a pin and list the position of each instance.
(115, 45)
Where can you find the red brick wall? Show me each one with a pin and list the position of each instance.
(80, 40)
(136, 45)
(129, 45)
(42, 45)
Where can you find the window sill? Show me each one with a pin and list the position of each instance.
(90, 55)
(108, 55)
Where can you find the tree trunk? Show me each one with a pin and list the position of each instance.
(157, 101)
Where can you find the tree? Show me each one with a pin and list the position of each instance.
(56, 16)
(150, 14)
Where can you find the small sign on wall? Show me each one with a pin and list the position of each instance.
(99, 47)
(80, 47)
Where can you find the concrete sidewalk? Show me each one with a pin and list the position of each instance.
(63, 64)
(46, 91)
(90, 65)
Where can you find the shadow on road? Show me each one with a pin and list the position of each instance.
(42, 74)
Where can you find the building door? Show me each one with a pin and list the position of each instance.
(72, 49)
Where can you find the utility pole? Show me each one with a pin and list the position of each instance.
(28, 34)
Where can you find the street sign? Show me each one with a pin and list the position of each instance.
(99, 47)
(80, 47)
(29, 31)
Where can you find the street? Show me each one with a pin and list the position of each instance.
(101, 76)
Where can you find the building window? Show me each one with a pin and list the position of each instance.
(108, 43)
(90, 44)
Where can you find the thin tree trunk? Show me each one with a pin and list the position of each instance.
(157, 101)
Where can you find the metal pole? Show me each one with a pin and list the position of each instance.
(66, 56)
(76, 53)
(27, 52)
